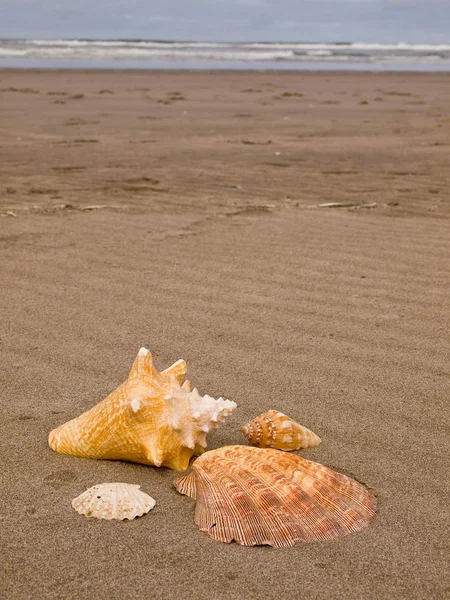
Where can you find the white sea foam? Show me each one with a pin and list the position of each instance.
(319, 53)
(153, 51)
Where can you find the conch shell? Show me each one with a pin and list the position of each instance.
(113, 501)
(150, 419)
(273, 429)
(265, 497)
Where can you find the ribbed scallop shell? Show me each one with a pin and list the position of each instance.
(264, 497)
(113, 501)
(152, 419)
(274, 429)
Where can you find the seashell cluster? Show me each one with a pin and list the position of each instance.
(264, 497)
(153, 418)
(255, 496)
(113, 501)
(273, 429)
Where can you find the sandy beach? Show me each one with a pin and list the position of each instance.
(181, 211)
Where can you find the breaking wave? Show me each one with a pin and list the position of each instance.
(152, 51)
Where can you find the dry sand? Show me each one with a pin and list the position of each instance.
(210, 247)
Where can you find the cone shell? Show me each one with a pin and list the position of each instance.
(113, 501)
(274, 429)
(264, 497)
(152, 419)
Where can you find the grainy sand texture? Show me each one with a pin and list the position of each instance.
(180, 211)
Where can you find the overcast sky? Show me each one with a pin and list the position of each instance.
(413, 21)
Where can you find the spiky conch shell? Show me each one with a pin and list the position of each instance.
(150, 419)
(113, 501)
(273, 429)
(265, 497)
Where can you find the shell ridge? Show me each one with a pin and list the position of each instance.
(340, 509)
(335, 511)
(221, 525)
(357, 509)
(90, 508)
(260, 530)
(273, 514)
(208, 514)
(344, 486)
(317, 523)
(186, 485)
(123, 501)
(263, 496)
(297, 506)
(206, 489)
(115, 495)
(260, 533)
(142, 502)
(343, 489)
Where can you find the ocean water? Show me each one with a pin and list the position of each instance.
(216, 55)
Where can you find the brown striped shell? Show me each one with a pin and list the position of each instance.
(264, 497)
(274, 429)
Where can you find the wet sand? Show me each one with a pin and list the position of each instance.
(180, 211)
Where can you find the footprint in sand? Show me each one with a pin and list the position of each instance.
(395, 93)
(20, 90)
(175, 96)
(43, 191)
(143, 179)
(58, 479)
(86, 141)
(252, 143)
(292, 95)
(75, 121)
(68, 169)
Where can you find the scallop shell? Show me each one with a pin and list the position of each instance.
(113, 501)
(264, 497)
(274, 429)
(152, 419)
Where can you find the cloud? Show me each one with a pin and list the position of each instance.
(230, 20)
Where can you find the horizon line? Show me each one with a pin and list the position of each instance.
(212, 41)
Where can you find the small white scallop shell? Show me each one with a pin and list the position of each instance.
(113, 501)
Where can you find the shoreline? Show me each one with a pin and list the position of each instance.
(243, 67)
(226, 70)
